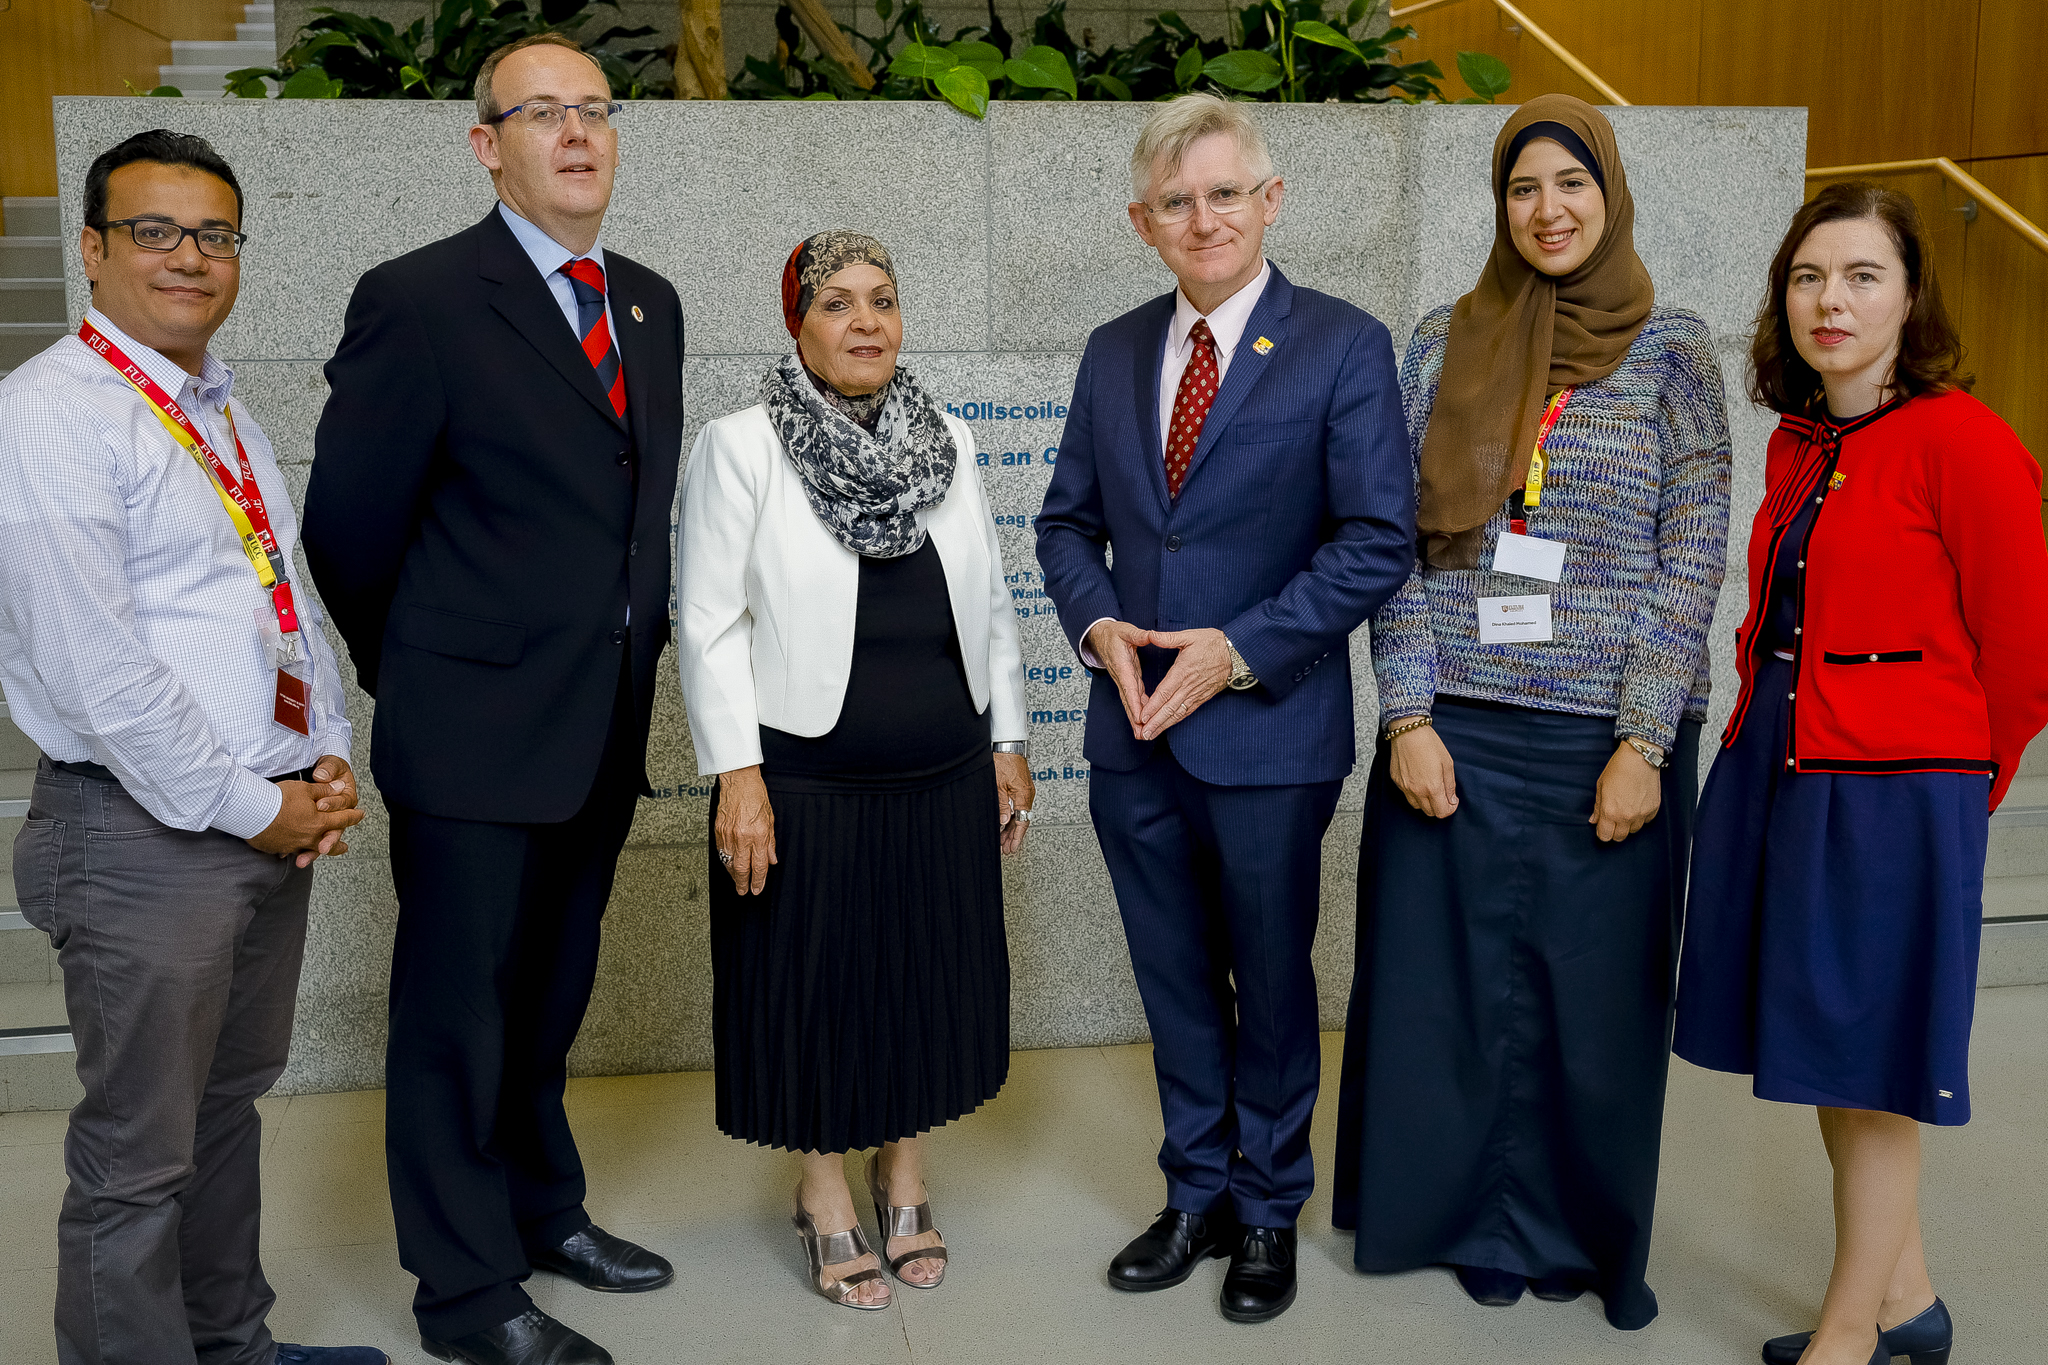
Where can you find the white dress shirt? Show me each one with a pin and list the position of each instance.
(549, 256)
(1226, 324)
(130, 620)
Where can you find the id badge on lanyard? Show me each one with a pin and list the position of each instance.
(1526, 620)
(242, 499)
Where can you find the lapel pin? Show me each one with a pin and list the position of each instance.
(638, 316)
(1837, 481)
(1262, 345)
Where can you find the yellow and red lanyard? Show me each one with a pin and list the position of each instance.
(1539, 463)
(241, 497)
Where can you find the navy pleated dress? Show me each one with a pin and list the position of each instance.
(1832, 931)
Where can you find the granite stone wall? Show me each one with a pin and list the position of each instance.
(1012, 243)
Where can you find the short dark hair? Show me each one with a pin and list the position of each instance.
(487, 110)
(160, 147)
(1930, 349)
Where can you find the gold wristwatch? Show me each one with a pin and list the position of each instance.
(1241, 676)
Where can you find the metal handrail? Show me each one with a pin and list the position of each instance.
(1557, 49)
(1962, 179)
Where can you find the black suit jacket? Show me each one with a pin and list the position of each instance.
(479, 520)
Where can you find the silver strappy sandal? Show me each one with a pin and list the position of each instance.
(835, 1248)
(903, 1220)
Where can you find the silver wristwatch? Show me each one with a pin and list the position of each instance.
(1652, 755)
(1020, 747)
(1241, 675)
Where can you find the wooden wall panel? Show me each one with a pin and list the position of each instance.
(2021, 181)
(1885, 80)
(2011, 106)
(1649, 50)
(1477, 26)
(65, 47)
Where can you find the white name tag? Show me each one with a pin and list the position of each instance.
(1529, 556)
(1514, 620)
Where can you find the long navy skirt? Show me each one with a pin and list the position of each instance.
(1506, 1052)
(1831, 941)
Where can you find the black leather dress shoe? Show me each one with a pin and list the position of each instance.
(532, 1338)
(1564, 1288)
(1260, 1285)
(1489, 1287)
(1167, 1253)
(611, 1265)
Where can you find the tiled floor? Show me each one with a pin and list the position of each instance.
(1036, 1191)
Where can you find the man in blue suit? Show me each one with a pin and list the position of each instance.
(1239, 446)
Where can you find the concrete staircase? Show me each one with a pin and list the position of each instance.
(200, 69)
(31, 281)
(35, 1040)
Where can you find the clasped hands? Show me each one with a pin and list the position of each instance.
(1201, 670)
(310, 822)
(1625, 799)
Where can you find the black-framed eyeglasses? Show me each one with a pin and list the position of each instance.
(159, 234)
(547, 116)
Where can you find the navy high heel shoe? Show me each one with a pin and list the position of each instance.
(1926, 1337)
(1489, 1287)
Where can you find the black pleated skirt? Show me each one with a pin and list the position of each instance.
(1504, 1061)
(864, 997)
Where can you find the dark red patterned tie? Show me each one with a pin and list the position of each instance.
(1190, 406)
(586, 279)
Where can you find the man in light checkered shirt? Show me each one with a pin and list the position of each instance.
(195, 765)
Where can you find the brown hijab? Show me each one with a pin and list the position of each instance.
(1521, 335)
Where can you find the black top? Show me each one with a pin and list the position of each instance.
(1783, 590)
(908, 713)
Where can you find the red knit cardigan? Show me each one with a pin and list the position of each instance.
(1922, 639)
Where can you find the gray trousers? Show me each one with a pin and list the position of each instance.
(180, 955)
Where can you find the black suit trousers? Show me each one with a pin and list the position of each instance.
(497, 948)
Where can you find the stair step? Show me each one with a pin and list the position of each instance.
(31, 300)
(21, 342)
(31, 257)
(2007, 898)
(2017, 848)
(32, 1005)
(30, 215)
(2015, 953)
(230, 53)
(264, 33)
(260, 14)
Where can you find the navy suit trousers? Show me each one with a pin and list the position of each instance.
(1219, 889)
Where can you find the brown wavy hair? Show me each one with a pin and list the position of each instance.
(1930, 349)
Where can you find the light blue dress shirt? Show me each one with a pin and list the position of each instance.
(549, 256)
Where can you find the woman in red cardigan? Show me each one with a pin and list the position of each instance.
(1893, 667)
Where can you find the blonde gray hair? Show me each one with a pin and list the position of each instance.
(1180, 123)
(488, 111)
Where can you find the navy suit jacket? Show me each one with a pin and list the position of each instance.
(1295, 522)
(480, 520)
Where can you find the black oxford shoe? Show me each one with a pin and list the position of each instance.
(1166, 1253)
(611, 1265)
(532, 1338)
(1260, 1285)
(1491, 1288)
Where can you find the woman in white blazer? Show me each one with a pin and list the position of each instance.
(851, 667)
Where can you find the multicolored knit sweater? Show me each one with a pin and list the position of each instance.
(1637, 489)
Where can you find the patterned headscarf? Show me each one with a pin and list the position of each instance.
(870, 464)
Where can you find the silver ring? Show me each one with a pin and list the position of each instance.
(725, 857)
(1025, 815)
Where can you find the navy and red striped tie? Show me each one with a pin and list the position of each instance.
(586, 279)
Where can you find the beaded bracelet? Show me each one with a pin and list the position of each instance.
(1400, 728)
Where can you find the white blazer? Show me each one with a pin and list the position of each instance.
(767, 597)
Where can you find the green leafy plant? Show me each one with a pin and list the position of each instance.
(1287, 50)
(164, 91)
(340, 54)
(1485, 74)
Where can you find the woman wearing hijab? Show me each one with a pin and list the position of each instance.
(1893, 670)
(1542, 678)
(851, 667)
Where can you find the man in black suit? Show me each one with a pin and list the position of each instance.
(488, 526)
